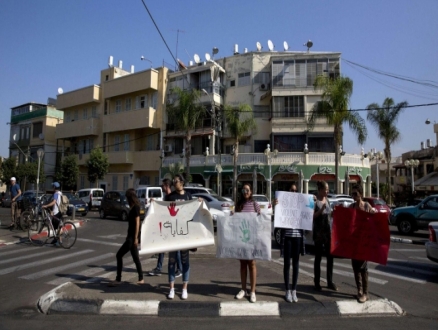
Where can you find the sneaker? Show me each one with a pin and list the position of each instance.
(332, 286)
(253, 297)
(288, 296)
(294, 296)
(171, 294)
(155, 272)
(178, 274)
(184, 294)
(241, 294)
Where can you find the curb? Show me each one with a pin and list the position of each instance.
(408, 241)
(54, 302)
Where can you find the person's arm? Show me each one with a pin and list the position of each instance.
(137, 229)
(319, 212)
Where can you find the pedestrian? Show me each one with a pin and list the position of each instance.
(179, 194)
(322, 236)
(166, 185)
(132, 239)
(360, 267)
(15, 192)
(247, 204)
(54, 206)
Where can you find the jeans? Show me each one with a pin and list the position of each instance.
(125, 248)
(161, 259)
(292, 247)
(15, 213)
(173, 256)
(320, 250)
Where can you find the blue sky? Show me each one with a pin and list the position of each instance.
(48, 44)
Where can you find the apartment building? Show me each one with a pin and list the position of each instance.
(123, 114)
(33, 127)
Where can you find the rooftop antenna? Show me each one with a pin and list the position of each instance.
(177, 37)
(285, 46)
(196, 58)
(215, 51)
(309, 45)
(270, 45)
(259, 46)
(60, 90)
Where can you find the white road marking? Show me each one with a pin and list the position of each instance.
(112, 236)
(54, 270)
(6, 253)
(408, 250)
(29, 256)
(42, 262)
(244, 308)
(130, 307)
(99, 242)
(375, 306)
(79, 276)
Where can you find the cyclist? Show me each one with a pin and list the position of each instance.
(15, 191)
(54, 204)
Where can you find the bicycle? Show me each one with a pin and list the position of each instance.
(28, 213)
(41, 229)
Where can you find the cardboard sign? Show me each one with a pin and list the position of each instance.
(294, 210)
(360, 235)
(244, 236)
(173, 226)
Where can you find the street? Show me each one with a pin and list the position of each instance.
(27, 272)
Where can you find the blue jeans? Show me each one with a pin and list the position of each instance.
(184, 259)
(161, 259)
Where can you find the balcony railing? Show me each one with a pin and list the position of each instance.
(200, 125)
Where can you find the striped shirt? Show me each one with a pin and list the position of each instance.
(292, 232)
(251, 206)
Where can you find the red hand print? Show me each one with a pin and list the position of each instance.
(172, 210)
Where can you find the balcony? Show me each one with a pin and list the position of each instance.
(79, 96)
(147, 160)
(120, 157)
(129, 120)
(201, 125)
(90, 127)
(131, 83)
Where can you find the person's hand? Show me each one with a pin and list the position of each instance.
(275, 201)
(200, 199)
(136, 242)
(373, 210)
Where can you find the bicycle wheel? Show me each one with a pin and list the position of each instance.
(68, 234)
(38, 232)
(25, 218)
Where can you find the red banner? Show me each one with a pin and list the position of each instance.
(360, 235)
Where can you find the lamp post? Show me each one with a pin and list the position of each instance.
(412, 163)
(269, 154)
(161, 167)
(378, 156)
(40, 154)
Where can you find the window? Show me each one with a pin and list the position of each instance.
(128, 104)
(262, 78)
(141, 102)
(37, 129)
(85, 113)
(117, 143)
(67, 116)
(104, 142)
(157, 181)
(115, 182)
(154, 100)
(94, 111)
(125, 182)
(244, 79)
(105, 109)
(289, 143)
(151, 142)
(126, 143)
(76, 114)
(82, 182)
(260, 145)
(289, 106)
(118, 106)
(321, 144)
(261, 111)
(232, 83)
(179, 145)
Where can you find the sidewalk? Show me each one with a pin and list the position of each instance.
(213, 284)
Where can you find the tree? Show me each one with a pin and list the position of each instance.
(174, 169)
(333, 107)
(239, 121)
(69, 172)
(185, 114)
(8, 170)
(28, 172)
(384, 119)
(97, 165)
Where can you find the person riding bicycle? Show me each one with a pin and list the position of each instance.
(15, 192)
(54, 204)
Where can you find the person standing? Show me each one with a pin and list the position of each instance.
(247, 204)
(15, 192)
(360, 267)
(132, 239)
(54, 205)
(322, 236)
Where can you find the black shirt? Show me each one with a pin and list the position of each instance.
(174, 196)
(134, 212)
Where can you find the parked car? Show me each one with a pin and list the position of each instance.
(338, 196)
(114, 203)
(344, 201)
(145, 193)
(412, 218)
(91, 196)
(265, 204)
(432, 244)
(216, 202)
(379, 204)
(74, 202)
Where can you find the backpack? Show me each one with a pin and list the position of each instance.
(63, 207)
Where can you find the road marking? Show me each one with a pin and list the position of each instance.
(79, 276)
(29, 256)
(416, 263)
(262, 308)
(112, 236)
(407, 250)
(130, 307)
(42, 262)
(375, 306)
(98, 242)
(12, 252)
(50, 271)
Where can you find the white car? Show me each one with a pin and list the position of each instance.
(215, 201)
(265, 204)
(432, 245)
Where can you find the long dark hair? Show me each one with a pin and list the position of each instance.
(132, 198)
(242, 200)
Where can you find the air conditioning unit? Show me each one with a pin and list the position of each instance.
(264, 87)
(168, 148)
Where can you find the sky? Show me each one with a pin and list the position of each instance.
(48, 44)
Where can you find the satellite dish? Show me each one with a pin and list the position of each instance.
(207, 57)
(196, 58)
(14, 137)
(285, 46)
(60, 90)
(41, 136)
(270, 45)
(308, 44)
(259, 46)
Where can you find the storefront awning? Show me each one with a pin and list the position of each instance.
(430, 180)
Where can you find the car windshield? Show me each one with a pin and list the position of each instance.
(219, 198)
(97, 193)
(379, 202)
(70, 196)
(259, 198)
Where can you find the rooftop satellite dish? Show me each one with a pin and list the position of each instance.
(270, 45)
(14, 137)
(285, 46)
(207, 57)
(196, 58)
(60, 90)
(259, 46)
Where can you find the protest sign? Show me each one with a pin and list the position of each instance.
(360, 235)
(293, 210)
(173, 226)
(245, 236)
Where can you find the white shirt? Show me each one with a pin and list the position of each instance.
(57, 196)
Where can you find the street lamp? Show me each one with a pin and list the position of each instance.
(162, 160)
(269, 154)
(412, 163)
(377, 155)
(40, 154)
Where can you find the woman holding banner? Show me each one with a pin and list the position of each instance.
(247, 204)
(322, 236)
(360, 267)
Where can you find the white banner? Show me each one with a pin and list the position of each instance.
(293, 210)
(245, 236)
(173, 226)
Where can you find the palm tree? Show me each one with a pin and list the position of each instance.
(174, 169)
(333, 107)
(384, 118)
(185, 113)
(239, 121)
